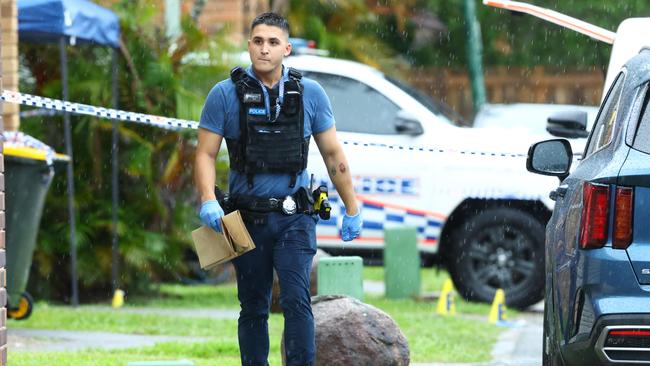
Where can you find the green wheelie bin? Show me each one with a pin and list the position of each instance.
(28, 175)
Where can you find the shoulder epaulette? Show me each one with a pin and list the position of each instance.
(237, 73)
(295, 74)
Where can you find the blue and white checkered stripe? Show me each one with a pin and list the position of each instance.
(378, 216)
(493, 154)
(49, 104)
(77, 108)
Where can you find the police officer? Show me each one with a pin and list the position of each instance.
(267, 114)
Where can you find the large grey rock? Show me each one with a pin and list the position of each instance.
(313, 282)
(351, 333)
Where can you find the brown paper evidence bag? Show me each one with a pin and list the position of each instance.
(214, 248)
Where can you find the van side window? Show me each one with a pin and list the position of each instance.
(604, 126)
(642, 138)
(357, 107)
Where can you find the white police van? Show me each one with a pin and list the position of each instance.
(476, 209)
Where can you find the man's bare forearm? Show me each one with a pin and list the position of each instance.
(205, 176)
(339, 172)
(206, 155)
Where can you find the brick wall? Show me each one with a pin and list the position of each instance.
(243, 13)
(510, 85)
(10, 60)
(8, 20)
(236, 15)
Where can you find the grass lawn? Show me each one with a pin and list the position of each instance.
(189, 297)
(432, 338)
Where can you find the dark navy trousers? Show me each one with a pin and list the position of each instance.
(288, 244)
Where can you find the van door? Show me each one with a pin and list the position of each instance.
(389, 181)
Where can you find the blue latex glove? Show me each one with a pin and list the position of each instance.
(211, 214)
(351, 227)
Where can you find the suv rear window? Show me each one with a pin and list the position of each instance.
(604, 126)
(642, 138)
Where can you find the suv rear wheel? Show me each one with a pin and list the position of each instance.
(499, 248)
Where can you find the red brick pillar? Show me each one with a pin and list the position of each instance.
(10, 112)
(6, 25)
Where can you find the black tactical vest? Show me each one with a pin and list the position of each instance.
(268, 144)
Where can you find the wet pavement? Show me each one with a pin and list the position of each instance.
(521, 345)
(33, 340)
(20, 340)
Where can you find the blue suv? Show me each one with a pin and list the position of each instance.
(597, 305)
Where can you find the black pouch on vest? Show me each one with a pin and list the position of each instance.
(224, 200)
(254, 218)
(304, 201)
(291, 102)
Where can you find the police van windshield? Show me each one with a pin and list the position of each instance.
(436, 107)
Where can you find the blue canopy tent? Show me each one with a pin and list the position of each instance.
(47, 21)
(71, 22)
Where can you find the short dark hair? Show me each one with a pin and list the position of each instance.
(272, 19)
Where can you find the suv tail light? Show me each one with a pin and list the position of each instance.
(595, 216)
(595, 212)
(623, 216)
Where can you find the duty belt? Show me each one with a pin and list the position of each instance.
(299, 202)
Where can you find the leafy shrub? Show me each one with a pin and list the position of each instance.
(157, 199)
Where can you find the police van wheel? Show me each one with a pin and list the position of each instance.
(499, 248)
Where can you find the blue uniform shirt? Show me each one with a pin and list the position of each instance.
(220, 115)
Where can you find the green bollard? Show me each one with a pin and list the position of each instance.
(340, 276)
(401, 263)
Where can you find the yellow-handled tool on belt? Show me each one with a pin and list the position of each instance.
(321, 202)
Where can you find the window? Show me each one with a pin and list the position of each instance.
(356, 106)
(604, 126)
(436, 107)
(642, 138)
